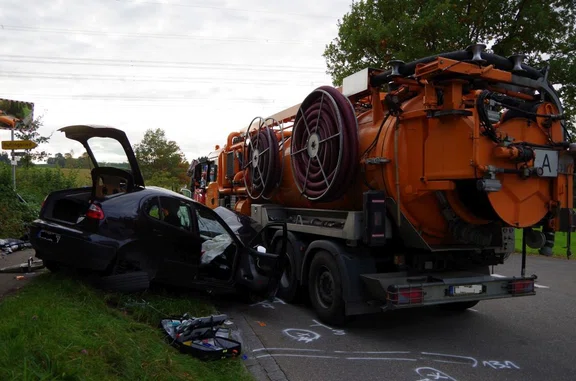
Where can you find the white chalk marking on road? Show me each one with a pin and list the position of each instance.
(287, 349)
(540, 286)
(433, 374)
(293, 355)
(301, 334)
(456, 356)
(380, 358)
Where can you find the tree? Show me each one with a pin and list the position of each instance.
(377, 31)
(4, 158)
(30, 132)
(161, 159)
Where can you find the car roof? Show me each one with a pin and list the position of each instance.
(158, 191)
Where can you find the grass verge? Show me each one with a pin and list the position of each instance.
(57, 328)
(560, 245)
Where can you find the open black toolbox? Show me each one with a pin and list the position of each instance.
(203, 338)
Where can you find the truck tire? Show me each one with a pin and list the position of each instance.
(458, 306)
(325, 289)
(289, 287)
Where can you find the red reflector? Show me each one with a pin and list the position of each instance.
(406, 296)
(44, 202)
(95, 212)
(521, 286)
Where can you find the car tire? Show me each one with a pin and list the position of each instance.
(289, 287)
(325, 289)
(135, 281)
(458, 306)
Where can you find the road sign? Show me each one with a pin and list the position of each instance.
(18, 144)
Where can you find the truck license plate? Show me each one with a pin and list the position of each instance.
(466, 290)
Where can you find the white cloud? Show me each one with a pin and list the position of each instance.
(221, 63)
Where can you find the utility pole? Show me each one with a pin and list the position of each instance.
(14, 162)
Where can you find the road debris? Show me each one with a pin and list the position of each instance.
(202, 337)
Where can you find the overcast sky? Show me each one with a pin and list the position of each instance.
(197, 69)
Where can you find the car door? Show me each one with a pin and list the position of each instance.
(172, 233)
(245, 246)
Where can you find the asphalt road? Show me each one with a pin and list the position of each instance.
(8, 281)
(526, 338)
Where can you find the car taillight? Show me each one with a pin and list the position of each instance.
(410, 295)
(521, 286)
(44, 202)
(95, 212)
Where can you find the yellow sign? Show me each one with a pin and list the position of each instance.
(18, 144)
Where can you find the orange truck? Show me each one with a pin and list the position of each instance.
(403, 187)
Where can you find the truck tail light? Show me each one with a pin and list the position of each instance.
(521, 286)
(95, 212)
(409, 295)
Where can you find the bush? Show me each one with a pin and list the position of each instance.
(33, 184)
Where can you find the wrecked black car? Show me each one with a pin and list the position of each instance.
(131, 235)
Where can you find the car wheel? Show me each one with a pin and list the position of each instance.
(289, 287)
(325, 289)
(128, 282)
(458, 306)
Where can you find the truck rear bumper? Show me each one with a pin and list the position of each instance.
(405, 292)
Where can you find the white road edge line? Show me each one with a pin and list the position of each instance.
(380, 358)
(373, 353)
(287, 349)
(291, 355)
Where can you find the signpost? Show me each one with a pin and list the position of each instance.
(18, 144)
(16, 114)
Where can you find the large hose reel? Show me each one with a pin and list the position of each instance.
(324, 145)
(263, 165)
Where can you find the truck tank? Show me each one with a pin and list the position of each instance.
(459, 146)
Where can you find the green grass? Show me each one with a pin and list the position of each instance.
(560, 244)
(58, 328)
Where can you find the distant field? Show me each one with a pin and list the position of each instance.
(83, 175)
(559, 244)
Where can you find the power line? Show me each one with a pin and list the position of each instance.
(22, 28)
(155, 64)
(253, 10)
(82, 77)
(138, 98)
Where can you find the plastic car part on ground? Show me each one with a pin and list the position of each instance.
(10, 245)
(201, 337)
(214, 247)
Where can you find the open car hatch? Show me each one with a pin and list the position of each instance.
(83, 133)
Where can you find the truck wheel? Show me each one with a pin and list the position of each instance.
(325, 289)
(288, 289)
(458, 306)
